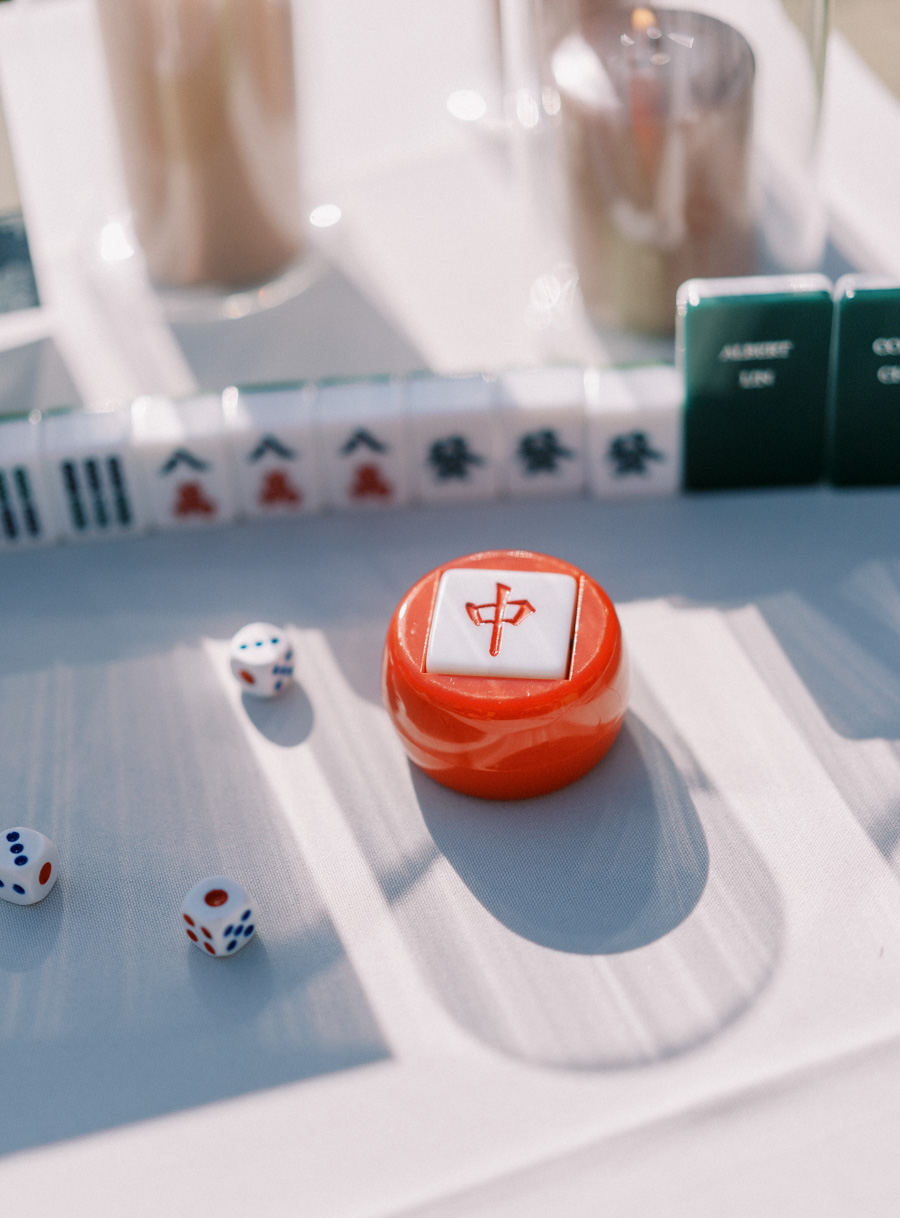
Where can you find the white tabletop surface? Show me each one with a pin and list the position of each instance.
(672, 988)
(675, 984)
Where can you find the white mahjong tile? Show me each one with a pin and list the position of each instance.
(635, 421)
(185, 460)
(542, 416)
(93, 475)
(493, 623)
(362, 430)
(273, 449)
(454, 451)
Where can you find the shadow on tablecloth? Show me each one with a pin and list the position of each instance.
(108, 1014)
(144, 772)
(620, 921)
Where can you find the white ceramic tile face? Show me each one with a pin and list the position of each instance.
(491, 623)
(93, 475)
(185, 461)
(273, 446)
(27, 517)
(363, 442)
(635, 421)
(543, 431)
(455, 447)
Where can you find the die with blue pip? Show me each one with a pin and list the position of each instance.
(29, 864)
(262, 659)
(217, 916)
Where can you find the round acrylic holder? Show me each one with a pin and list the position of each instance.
(506, 737)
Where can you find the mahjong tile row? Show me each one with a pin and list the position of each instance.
(164, 463)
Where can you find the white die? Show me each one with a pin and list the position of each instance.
(218, 916)
(261, 659)
(29, 863)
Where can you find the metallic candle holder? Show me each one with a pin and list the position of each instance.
(657, 112)
(204, 100)
(688, 145)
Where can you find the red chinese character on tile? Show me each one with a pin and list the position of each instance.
(192, 501)
(499, 620)
(368, 482)
(278, 488)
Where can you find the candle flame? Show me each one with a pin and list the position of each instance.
(642, 20)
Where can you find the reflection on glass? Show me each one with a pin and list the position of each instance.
(689, 143)
(467, 105)
(657, 111)
(326, 215)
(115, 245)
(205, 106)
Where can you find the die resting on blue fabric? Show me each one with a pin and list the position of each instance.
(29, 865)
(262, 659)
(218, 917)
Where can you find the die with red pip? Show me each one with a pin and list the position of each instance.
(262, 659)
(29, 864)
(217, 916)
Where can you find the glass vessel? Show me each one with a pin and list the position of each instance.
(204, 100)
(689, 136)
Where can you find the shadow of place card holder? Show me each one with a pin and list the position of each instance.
(754, 353)
(865, 391)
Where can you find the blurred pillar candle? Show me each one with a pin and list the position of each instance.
(657, 115)
(205, 105)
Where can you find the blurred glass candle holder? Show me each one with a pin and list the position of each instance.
(204, 100)
(657, 110)
(689, 143)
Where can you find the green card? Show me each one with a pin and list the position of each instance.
(865, 393)
(754, 353)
